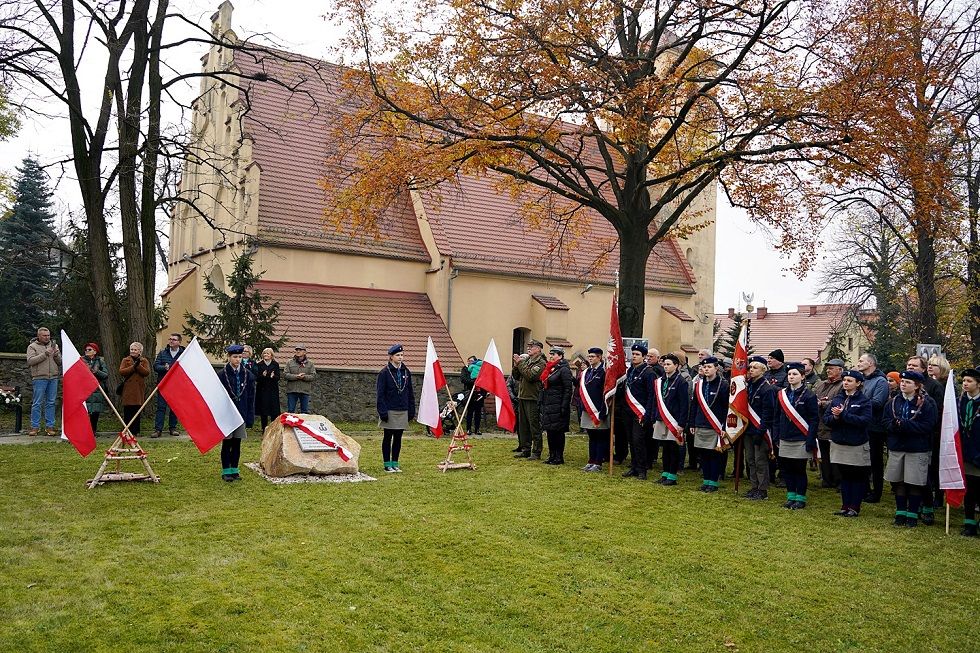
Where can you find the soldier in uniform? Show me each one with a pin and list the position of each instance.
(969, 413)
(796, 433)
(594, 417)
(710, 410)
(910, 419)
(758, 434)
(670, 408)
(527, 370)
(638, 398)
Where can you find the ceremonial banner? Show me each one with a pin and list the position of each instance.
(951, 477)
(433, 380)
(78, 384)
(491, 379)
(738, 396)
(193, 391)
(615, 355)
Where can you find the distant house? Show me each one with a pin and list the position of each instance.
(805, 332)
(463, 269)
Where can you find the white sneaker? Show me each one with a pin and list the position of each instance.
(397, 470)
(390, 470)
(587, 468)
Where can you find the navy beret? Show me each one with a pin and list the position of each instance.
(973, 373)
(394, 349)
(595, 350)
(855, 374)
(235, 349)
(759, 359)
(710, 359)
(912, 375)
(640, 348)
(671, 357)
(794, 366)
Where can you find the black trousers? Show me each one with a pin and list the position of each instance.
(972, 497)
(877, 442)
(621, 446)
(128, 412)
(391, 445)
(556, 445)
(853, 485)
(598, 446)
(638, 446)
(231, 453)
(672, 455)
(94, 419)
(474, 413)
(828, 472)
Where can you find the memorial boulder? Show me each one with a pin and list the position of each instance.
(307, 444)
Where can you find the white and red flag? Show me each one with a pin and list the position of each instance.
(196, 396)
(432, 382)
(491, 379)
(951, 477)
(78, 384)
(738, 394)
(615, 354)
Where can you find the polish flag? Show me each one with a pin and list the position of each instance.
(491, 379)
(951, 477)
(432, 382)
(616, 355)
(738, 394)
(196, 396)
(78, 384)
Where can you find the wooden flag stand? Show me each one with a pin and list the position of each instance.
(125, 447)
(459, 442)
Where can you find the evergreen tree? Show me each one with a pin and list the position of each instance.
(835, 348)
(29, 259)
(726, 343)
(242, 314)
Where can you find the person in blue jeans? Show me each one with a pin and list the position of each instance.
(44, 361)
(161, 365)
(299, 375)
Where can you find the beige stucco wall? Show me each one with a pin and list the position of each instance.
(336, 269)
(699, 248)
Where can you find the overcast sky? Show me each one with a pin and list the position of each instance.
(746, 260)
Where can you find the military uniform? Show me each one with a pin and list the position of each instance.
(528, 373)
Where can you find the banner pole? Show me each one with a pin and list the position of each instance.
(612, 432)
(947, 519)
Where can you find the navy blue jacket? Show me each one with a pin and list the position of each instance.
(762, 399)
(716, 396)
(595, 379)
(676, 399)
(805, 404)
(851, 426)
(970, 437)
(910, 424)
(241, 388)
(639, 380)
(389, 397)
(164, 361)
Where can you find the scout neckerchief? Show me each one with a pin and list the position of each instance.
(236, 383)
(705, 406)
(669, 421)
(583, 394)
(790, 410)
(754, 416)
(631, 400)
(969, 413)
(401, 380)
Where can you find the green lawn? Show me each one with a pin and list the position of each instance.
(516, 556)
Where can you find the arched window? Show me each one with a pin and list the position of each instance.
(521, 336)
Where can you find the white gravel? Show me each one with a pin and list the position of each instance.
(311, 478)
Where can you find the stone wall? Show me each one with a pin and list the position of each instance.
(341, 395)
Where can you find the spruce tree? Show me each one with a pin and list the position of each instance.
(242, 316)
(29, 259)
(726, 343)
(835, 348)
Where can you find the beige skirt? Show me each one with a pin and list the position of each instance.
(705, 439)
(858, 455)
(908, 467)
(397, 420)
(660, 432)
(586, 422)
(794, 449)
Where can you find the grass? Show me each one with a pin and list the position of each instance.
(516, 556)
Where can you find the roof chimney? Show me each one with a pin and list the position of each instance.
(760, 313)
(813, 310)
(731, 313)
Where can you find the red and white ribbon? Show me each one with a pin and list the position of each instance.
(712, 418)
(669, 421)
(635, 405)
(587, 403)
(757, 423)
(792, 413)
(288, 419)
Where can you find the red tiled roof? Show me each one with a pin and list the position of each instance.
(678, 313)
(353, 327)
(176, 282)
(551, 303)
(798, 334)
(558, 342)
(478, 225)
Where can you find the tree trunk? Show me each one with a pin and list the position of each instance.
(634, 251)
(973, 271)
(925, 285)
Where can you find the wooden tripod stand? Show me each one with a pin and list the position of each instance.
(459, 442)
(124, 447)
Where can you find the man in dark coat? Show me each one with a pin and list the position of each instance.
(161, 365)
(638, 394)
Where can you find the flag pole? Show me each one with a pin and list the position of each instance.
(947, 519)
(453, 401)
(612, 432)
(738, 462)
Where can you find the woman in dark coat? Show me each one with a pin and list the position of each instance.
(95, 404)
(396, 406)
(239, 383)
(555, 404)
(849, 418)
(267, 375)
